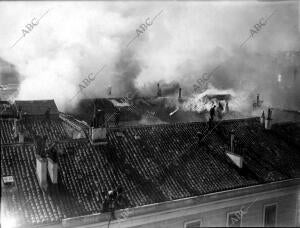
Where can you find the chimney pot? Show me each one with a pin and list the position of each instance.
(41, 171)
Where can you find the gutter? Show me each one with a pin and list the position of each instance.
(180, 204)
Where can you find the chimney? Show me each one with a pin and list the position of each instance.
(200, 136)
(41, 171)
(262, 118)
(158, 90)
(109, 90)
(235, 158)
(98, 129)
(232, 141)
(53, 164)
(268, 122)
(179, 94)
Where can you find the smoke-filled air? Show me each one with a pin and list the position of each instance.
(74, 40)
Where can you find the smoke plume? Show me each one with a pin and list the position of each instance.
(186, 40)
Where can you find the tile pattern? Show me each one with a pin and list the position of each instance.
(153, 164)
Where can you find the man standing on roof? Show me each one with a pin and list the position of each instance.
(212, 113)
(220, 110)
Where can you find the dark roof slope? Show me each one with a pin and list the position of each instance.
(52, 128)
(7, 110)
(37, 107)
(152, 164)
(85, 110)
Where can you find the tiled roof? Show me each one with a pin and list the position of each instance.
(7, 110)
(152, 164)
(85, 110)
(52, 128)
(37, 107)
(146, 110)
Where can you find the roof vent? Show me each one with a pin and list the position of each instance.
(8, 184)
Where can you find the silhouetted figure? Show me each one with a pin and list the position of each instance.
(112, 201)
(221, 106)
(220, 110)
(117, 119)
(212, 112)
(226, 107)
(158, 90)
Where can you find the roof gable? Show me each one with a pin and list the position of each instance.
(37, 107)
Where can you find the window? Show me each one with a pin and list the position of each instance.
(270, 212)
(234, 219)
(193, 224)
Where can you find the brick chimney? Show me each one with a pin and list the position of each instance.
(98, 130)
(268, 122)
(262, 118)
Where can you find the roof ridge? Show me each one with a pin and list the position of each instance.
(179, 123)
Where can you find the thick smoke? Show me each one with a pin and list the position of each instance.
(188, 39)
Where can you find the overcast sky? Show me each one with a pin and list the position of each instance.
(75, 39)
